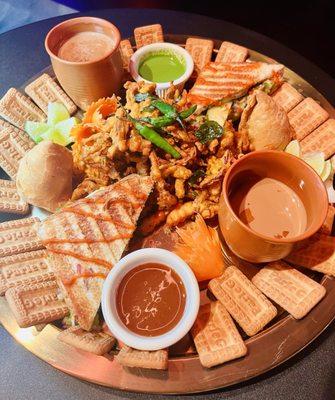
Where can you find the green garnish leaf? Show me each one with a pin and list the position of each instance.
(209, 131)
(196, 177)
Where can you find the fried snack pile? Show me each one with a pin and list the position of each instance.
(200, 144)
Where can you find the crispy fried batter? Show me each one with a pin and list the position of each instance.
(115, 149)
(150, 223)
(179, 186)
(181, 213)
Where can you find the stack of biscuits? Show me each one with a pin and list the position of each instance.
(25, 278)
(32, 291)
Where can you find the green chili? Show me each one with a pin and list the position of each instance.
(165, 108)
(148, 108)
(159, 122)
(186, 113)
(155, 138)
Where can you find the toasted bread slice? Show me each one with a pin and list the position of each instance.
(228, 81)
(86, 239)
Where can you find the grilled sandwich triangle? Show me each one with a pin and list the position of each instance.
(229, 81)
(84, 241)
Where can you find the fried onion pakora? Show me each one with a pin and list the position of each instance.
(184, 185)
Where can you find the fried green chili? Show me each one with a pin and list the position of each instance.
(155, 138)
(188, 112)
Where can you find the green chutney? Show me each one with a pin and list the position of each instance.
(162, 67)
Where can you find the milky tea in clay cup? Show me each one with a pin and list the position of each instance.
(270, 200)
(85, 56)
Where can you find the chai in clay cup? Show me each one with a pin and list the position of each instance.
(255, 247)
(86, 81)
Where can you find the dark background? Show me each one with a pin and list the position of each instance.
(305, 26)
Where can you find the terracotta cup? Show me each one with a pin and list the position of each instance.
(87, 81)
(292, 171)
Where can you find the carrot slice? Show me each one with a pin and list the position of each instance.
(100, 109)
(80, 132)
(199, 246)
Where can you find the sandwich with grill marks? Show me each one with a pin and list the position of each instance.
(219, 82)
(85, 240)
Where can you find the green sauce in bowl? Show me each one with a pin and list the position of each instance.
(162, 67)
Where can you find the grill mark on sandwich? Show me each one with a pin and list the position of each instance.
(87, 274)
(86, 241)
(128, 192)
(244, 66)
(92, 227)
(219, 81)
(98, 217)
(81, 257)
(101, 217)
(92, 252)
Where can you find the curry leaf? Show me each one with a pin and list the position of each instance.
(208, 131)
(196, 176)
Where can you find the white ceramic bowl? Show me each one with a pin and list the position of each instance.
(130, 261)
(144, 51)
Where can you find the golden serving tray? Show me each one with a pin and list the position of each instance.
(280, 341)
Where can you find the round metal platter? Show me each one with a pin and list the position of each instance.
(281, 340)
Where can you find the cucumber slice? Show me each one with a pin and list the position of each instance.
(64, 127)
(327, 170)
(293, 148)
(219, 114)
(57, 112)
(56, 137)
(35, 129)
(316, 161)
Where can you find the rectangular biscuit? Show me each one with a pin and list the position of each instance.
(19, 236)
(126, 52)
(289, 288)
(6, 125)
(148, 34)
(24, 269)
(244, 302)
(200, 50)
(287, 97)
(215, 336)
(231, 53)
(10, 200)
(129, 357)
(36, 304)
(17, 108)
(44, 90)
(94, 342)
(13, 146)
(321, 139)
(316, 253)
(306, 117)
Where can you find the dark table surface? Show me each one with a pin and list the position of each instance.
(309, 375)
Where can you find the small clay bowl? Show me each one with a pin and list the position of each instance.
(88, 81)
(296, 174)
